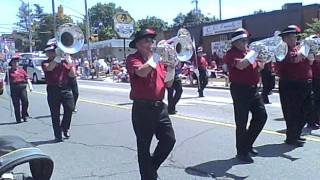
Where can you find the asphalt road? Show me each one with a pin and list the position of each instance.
(103, 145)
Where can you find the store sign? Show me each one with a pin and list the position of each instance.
(220, 47)
(221, 28)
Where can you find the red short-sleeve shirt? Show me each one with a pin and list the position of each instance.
(150, 88)
(17, 76)
(316, 69)
(289, 70)
(248, 76)
(59, 76)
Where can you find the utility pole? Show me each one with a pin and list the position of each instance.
(220, 16)
(29, 29)
(54, 18)
(87, 32)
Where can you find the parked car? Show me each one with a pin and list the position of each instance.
(32, 64)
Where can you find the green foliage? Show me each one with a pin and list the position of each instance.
(191, 19)
(152, 22)
(101, 18)
(313, 28)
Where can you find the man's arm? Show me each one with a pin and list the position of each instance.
(143, 70)
(49, 66)
(241, 64)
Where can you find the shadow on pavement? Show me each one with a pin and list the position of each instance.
(7, 123)
(39, 143)
(124, 104)
(276, 150)
(43, 117)
(195, 97)
(279, 119)
(215, 169)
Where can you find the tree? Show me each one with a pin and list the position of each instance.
(152, 22)
(179, 20)
(312, 28)
(260, 11)
(46, 28)
(192, 18)
(101, 19)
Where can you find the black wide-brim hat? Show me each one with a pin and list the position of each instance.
(14, 58)
(50, 47)
(292, 29)
(144, 33)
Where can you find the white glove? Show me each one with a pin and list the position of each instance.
(251, 56)
(68, 59)
(30, 85)
(154, 60)
(170, 74)
(304, 50)
(57, 59)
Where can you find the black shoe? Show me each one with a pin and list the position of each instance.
(302, 139)
(75, 110)
(18, 122)
(294, 143)
(244, 158)
(172, 112)
(58, 140)
(25, 119)
(253, 152)
(66, 134)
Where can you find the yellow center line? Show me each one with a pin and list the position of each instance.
(188, 118)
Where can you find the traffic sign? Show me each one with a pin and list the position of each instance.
(123, 25)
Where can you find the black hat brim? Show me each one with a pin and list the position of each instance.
(13, 59)
(288, 32)
(133, 43)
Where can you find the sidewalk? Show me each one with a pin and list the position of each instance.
(214, 83)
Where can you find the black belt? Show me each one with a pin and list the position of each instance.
(61, 86)
(244, 85)
(150, 103)
(297, 81)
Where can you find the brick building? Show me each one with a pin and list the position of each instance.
(214, 36)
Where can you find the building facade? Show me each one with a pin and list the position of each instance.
(214, 37)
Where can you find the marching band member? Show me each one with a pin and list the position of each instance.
(149, 113)
(202, 64)
(57, 74)
(175, 92)
(268, 80)
(74, 88)
(244, 76)
(316, 90)
(18, 80)
(295, 87)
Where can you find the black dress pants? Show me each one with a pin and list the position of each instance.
(247, 99)
(268, 81)
(203, 80)
(58, 96)
(316, 98)
(75, 91)
(149, 119)
(296, 103)
(19, 99)
(174, 94)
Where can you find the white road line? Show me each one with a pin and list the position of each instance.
(187, 99)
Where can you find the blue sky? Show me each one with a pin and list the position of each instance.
(165, 9)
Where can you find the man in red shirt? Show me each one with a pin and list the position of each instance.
(149, 114)
(316, 92)
(57, 74)
(244, 76)
(18, 80)
(295, 87)
(202, 64)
